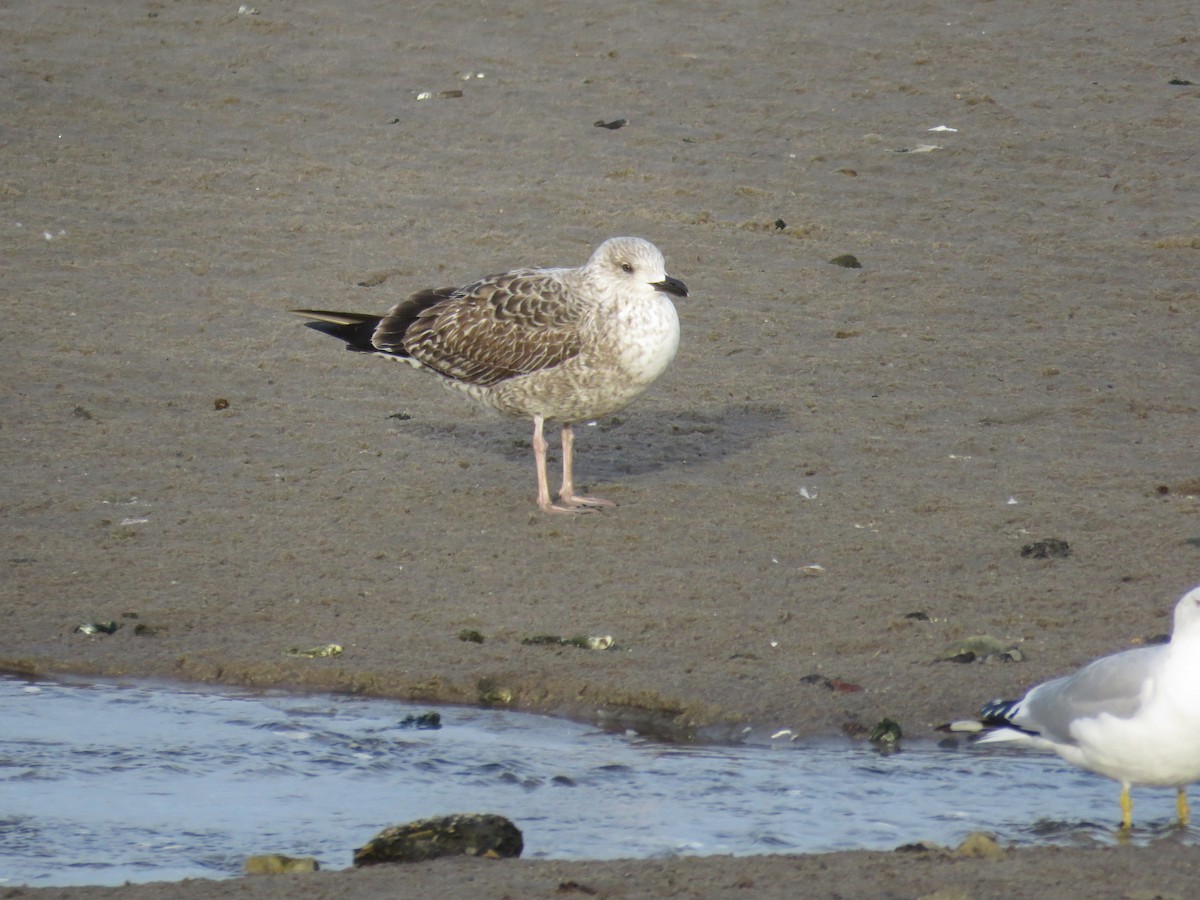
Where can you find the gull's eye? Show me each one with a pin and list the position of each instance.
(627, 268)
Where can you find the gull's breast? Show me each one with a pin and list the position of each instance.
(624, 352)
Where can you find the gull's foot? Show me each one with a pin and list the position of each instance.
(570, 502)
(569, 510)
(573, 503)
(589, 504)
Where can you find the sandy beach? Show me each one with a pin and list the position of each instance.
(831, 485)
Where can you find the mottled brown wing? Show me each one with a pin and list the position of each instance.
(497, 328)
(389, 334)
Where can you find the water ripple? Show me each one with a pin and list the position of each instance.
(106, 783)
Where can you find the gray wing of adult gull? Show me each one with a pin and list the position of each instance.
(1114, 685)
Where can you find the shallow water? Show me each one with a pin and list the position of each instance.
(103, 783)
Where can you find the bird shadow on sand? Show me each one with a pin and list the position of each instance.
(626, 445)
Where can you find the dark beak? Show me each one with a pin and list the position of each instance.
(670, 285)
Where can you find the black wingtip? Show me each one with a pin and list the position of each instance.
(998, 712)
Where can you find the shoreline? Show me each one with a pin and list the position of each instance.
(829, 486)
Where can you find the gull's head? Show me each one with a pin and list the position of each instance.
(1187, 613)
(634, 262)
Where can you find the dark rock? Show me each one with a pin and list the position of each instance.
(470, 834)
(430, 721)
(1051, 548)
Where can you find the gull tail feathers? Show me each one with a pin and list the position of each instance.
(999, 721)
(356, 329)
(995, 716)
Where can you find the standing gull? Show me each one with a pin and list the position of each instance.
(1133, 716)
(563, 344)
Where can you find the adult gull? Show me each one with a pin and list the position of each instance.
(1132, 716)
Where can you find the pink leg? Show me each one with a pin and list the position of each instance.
(539, 458)
(567, 494)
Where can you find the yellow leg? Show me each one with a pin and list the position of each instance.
(1181, 804)
(1126, 808)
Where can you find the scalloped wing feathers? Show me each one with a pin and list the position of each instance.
(497, 328)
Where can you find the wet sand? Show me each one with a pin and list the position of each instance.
(1015, 361)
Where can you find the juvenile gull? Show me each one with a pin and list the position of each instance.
(563, 344)
(1133, 716)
